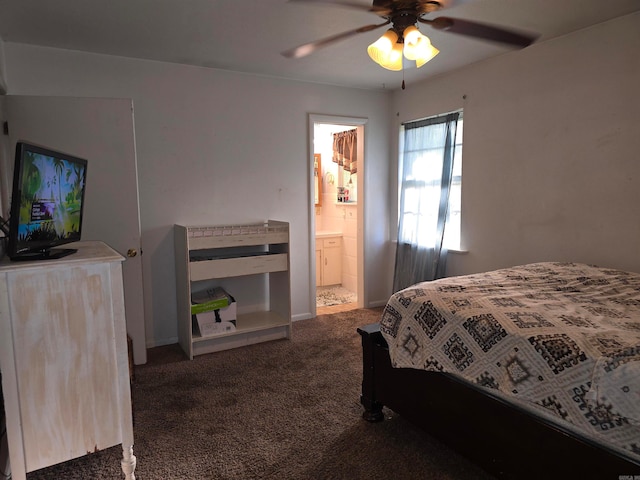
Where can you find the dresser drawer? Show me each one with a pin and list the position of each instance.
(331, 242)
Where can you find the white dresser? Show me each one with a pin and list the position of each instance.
(63, 357)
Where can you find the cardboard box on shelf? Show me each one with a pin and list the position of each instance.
(206, 324)
(216, 328)
(215, 314)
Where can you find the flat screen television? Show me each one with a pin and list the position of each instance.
(46, 203)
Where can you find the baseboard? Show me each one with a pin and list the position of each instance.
(161, 343)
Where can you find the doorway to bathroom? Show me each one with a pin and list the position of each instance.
(337, 205)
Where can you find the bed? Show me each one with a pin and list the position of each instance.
(532, 371)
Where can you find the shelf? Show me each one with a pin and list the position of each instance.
(206, 253)
(238, 266)
(250, 322)
(241, 339)
(207, 237)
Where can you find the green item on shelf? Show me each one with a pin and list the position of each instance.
(210, 299)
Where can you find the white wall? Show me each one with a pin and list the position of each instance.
(218, 147)
(551, 169)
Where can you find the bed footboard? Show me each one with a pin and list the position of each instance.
(505, 440)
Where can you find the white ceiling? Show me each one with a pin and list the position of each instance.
(248, 35)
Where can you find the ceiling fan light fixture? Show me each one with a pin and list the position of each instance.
(426, 54)
(418, 46)
(412, 39)
(394, 59)
(381, 49)
(403, 39)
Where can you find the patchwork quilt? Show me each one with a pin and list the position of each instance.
(563, 338)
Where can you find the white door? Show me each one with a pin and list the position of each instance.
(100, 130)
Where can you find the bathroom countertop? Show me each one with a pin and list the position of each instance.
(327, 233)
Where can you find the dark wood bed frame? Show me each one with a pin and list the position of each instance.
(504, 440)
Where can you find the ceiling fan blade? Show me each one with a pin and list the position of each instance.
(480, 30)
(309, 48)
(377, 9)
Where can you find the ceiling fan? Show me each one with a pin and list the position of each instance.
(403, 16)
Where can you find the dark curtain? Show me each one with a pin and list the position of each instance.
(427, 168)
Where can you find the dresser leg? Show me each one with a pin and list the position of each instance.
(128, 462)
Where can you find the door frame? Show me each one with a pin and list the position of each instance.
(360, 124)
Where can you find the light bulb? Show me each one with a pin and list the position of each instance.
(418, 47)
(426, 54)
(380, 50)
(394, 60)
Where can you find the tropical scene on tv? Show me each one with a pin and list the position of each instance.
(51, 198)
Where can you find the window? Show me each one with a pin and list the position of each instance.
(422, 149)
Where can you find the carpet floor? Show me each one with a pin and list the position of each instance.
(286, 409)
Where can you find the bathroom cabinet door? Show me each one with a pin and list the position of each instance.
(332, 262)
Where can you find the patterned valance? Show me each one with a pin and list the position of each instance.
(345, 150)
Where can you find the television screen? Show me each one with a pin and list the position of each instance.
(46, 202)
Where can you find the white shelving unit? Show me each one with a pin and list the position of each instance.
(251, 261)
